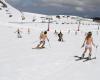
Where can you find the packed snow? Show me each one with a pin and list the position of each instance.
(18, 61)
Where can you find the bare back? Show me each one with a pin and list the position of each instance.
(89, 41)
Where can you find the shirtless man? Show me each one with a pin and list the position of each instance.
(43, 37)
(88, 42)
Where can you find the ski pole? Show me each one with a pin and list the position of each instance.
(49, 44)
(96, 49)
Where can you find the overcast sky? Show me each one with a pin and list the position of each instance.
(89, 8)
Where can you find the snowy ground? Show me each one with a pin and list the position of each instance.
(18, 61)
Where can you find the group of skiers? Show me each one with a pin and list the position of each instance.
(60, 36)
(18, 31)
(43, 37)
(88, 42)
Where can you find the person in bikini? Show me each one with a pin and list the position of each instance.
(88, 42)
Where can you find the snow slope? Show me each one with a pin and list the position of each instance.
(10, 14)
(18, 61)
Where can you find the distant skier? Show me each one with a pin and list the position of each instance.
(19, 33)
(60, 35)
(98, 31)
(68, 31)
(56, 33)
(28, 30)
(88, 42)
(98, 27)
(76, 32)
(22, 16)
(43, 38)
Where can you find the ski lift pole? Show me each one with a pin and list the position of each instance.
(96, 48)
(48, 24)
(79, 25)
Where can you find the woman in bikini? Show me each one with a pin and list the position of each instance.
(88, 42)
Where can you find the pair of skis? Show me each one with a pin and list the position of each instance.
(84, 59)
(38, 48)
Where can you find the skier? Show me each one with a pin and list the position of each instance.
(60, 35)
(28, 30)
(18, 33)
(43, 37)
(75, 32)
(98, 27)
(88, 42)
(68, 31)
(56, 33)
(22, 16)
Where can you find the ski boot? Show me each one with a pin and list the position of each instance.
(82, 57)
(89, 57)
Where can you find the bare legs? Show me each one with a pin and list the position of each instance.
(41, 45)
(90, 50)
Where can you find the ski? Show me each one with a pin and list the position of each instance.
(89, 59)
(38, 48)
(79, 58)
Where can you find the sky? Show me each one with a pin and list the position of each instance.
(85, 8)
